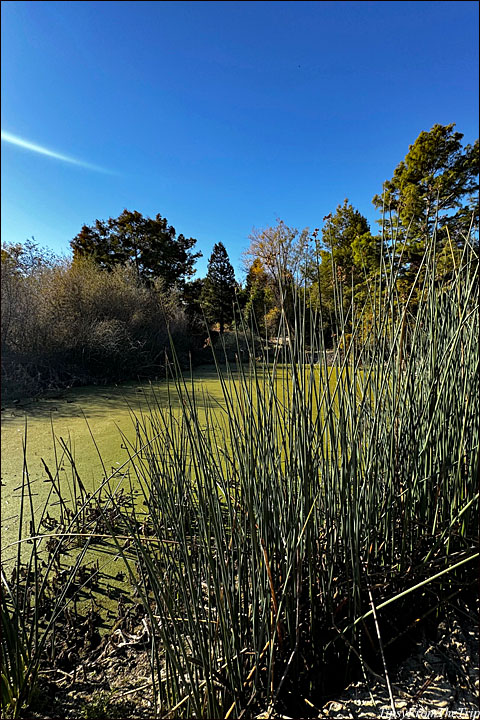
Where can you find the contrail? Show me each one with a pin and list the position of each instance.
(14, 140)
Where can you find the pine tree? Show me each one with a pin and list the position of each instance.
(349, 250)
(434, 188)
(218, 293)
(347, 236)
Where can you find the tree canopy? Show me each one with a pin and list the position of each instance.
(150, 245)
(435, 186)
(347, 255)
(346, 235)
(131, 273)
(282, 250)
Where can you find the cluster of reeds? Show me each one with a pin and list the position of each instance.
(284, 527)
(312, 497)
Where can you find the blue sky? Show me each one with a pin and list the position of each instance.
(221, 116)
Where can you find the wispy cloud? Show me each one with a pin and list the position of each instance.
(26, 145)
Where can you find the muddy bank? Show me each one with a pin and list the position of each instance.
(440, 678)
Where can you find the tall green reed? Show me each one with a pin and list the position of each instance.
(311, 483)
(270, 516)
(30, 608)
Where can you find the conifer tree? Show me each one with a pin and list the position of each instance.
(434, 190)
(218, 293)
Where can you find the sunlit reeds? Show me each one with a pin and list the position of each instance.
(318, 493)
(311, 487)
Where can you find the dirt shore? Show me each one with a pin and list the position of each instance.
(440, 679)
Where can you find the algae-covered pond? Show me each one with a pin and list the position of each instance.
(75, 415)
(90, 421)
(94, 423)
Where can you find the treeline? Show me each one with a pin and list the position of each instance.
(109, 313)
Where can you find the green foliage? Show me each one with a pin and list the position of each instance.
(218, 292)
(99, 707)
(29, 610)
(347, 260)
(192, 292)
(339, 233)
(150, 245)
(260, 298)
(354, 250)
(270, 517)
(271, 522)
(434, 187)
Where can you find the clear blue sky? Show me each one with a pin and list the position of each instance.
(221, 116)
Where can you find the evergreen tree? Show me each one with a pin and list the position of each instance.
(347, 249)
(192, 292)
(149, 244)
(218, 293)
(435, 186)
(347, 257)
(346, 235)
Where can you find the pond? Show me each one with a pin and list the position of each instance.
(75, 415)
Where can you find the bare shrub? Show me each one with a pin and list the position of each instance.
(69, 322)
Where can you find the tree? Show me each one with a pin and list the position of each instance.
(285, 254)
(218, 292)
(23, 267)
(28, 258)
(191, 295)
(282, 250)
(260, 296)
(150, 245)
(349, 255)
(434, 186)
(346, 235)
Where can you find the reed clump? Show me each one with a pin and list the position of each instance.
(294, 533)
(321, 508)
